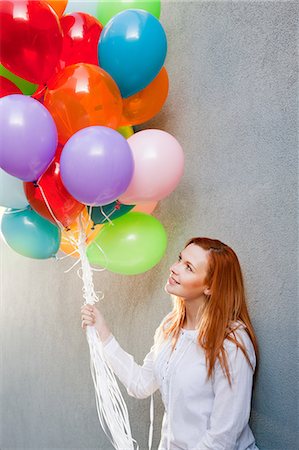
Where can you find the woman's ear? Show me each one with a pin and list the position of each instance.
(207, 292)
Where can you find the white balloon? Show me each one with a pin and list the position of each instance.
(12, 194)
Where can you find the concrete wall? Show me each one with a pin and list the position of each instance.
(232, 105)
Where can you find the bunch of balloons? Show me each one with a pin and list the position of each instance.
(72, 87)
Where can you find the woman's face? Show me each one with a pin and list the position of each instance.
(188, 273)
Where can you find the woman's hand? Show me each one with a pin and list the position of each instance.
(91, 316)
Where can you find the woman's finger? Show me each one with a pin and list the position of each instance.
(86, 310)
(90, 307)
(89, 318)
(86, 322)
(87, 314)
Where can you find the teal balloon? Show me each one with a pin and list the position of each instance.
(132, 244)
(29, 234)
(12, 193)
(113, 211)
(132, 49)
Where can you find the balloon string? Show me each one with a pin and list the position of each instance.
(111, 408)
(72, 240)
(88, 288)
(68, 239)
(68, 270)
(14, 211)
(89, 218)
(107, 217)
(49, 207)
(98, 270)
(103, 253)
(61, 258)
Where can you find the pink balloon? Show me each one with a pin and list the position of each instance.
(146, 207)
(159, 166)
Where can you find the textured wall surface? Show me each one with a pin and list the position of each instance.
(232, 105)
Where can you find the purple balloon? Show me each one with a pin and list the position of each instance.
(28, 137)
(96, 165)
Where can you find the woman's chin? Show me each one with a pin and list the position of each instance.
(169, 288)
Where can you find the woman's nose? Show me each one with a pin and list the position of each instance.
(174, 268)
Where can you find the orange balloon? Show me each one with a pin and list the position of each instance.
(146, 207)
(147, 103)
(80, 96)
(58, 6)
(71, 235)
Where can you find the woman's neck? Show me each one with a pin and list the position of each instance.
(193, 311)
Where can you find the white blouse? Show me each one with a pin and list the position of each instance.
(200, 414)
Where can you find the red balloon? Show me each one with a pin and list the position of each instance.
(7, 87)
(64, 207)
(81, 37)
(39, 94)
(31, 39)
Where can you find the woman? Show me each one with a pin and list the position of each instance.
(204, 353)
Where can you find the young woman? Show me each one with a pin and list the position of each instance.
(203, 356)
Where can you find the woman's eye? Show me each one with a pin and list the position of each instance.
(187, 266)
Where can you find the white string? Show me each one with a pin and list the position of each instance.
(72, 240)
(74, 265)
(150, 434)
(14, 211)
(111, 408)
(61, 258)
(49, 207)
(107, 217)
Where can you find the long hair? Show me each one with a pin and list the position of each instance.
(225, 306)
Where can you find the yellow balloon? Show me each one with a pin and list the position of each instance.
(70, 236)
(126, 131)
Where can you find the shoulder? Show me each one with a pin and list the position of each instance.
(239, 335)
(159, 335)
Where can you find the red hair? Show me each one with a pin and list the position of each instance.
(225, 305)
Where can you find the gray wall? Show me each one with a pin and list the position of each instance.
(232, 105)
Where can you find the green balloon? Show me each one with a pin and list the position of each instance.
(24, 86)
(29, 234)
(135, 243)
(107, 9)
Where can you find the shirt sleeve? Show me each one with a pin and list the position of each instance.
(140, 381)
(231, 407)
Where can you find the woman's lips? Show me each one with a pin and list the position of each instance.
(172, 281)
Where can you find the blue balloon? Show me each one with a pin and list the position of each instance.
(29, 234)
(12, 193)
(132, 49)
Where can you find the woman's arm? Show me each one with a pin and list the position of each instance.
(231, 407)
(140, 381)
